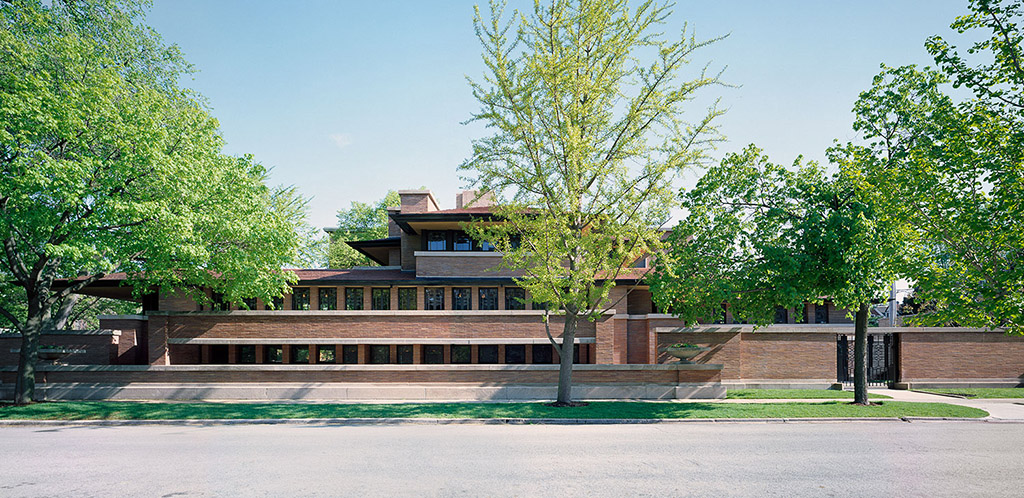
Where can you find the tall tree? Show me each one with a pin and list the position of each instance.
(955, 170)
(758, 235)
(587, 141)
(361, 221)
(107, 165)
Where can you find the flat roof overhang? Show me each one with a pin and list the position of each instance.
(376, 249)
(414, 223)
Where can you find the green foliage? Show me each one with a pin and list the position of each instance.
(106, 165)
(586, 103)
(587, 140)
(955, 171)
(291, 205)
(758, 235)
(361, 221)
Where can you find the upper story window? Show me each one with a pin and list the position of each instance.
(820, 313)
(250, 303)
(515, 298)
(463, 242)
(328, 298)
(781, 314)
(437, 240)
(434, 298)
(407, 298)
(462, 298)
(300, 298)
(380, 298)
(277, 302)
(353, 298)
(488, 298)
(453, 240)
(217, 302)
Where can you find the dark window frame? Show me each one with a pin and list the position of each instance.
(354, 303)
(327, 298)
(487, 298)
(461, 354)
(433, 298)
(403, 301)
(300, 298)
(380, 303)
(518, 302)
(462, 298)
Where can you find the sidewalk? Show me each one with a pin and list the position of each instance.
(998, 409)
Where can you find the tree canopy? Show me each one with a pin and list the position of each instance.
(361, 221)
(106, 165)
(759, 235)
(954, 171)
(586, 103)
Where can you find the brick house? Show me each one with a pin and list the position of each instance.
(438, 320)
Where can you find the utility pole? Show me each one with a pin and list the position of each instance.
(892, 304)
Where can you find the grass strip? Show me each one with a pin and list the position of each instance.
(106, 410)
(794, 394)
(980, 392)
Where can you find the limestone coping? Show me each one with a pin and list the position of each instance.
(460, 254)
(374, 340)
(373, 313)
(123, 317)
(366, 367)
(10, 335)
(800, 328)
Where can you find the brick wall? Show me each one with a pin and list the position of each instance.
(98, 346)
(414, 325)
(453, 264)
(788, 356)
(726, 349)
(395, 374)
(965, 355)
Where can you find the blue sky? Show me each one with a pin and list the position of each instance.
(346, 100)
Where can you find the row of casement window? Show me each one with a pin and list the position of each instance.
(381, 354)
(380, 299)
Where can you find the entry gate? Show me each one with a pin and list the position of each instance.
(882, 354)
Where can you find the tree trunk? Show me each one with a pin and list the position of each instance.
(565, 360)
(25, 381)
(860, 357)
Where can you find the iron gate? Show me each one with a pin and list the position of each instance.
(882, 354)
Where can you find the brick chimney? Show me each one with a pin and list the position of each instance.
(417, 201)
(468, 198)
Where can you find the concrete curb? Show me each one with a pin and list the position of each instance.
(477, 421)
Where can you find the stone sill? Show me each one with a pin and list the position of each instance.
(472, 254)
(364, 367)
(364, 313)
(375, 340)
(65, 332)
(800, 328)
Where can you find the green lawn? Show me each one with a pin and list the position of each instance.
(981, 392)
(101, 410)
(794, 394)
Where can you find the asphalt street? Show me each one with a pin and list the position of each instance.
(699, 459)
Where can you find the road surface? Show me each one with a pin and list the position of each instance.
(704, 459)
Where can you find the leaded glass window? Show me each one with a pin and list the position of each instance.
(353, 298)
(328, 298)
(462, 298)
(407, 298)
(488, 298)
(515, 298)
(434, 298)
(380, 299)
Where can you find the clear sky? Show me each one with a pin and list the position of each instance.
(347, 99)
